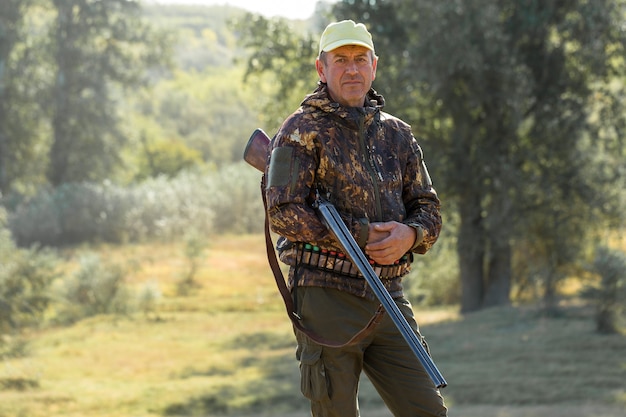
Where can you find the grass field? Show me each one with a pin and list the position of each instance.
(227, 349)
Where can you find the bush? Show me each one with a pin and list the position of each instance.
(167, 158)
(26, 276)
(148, 299)
(165, 208)
(96, 288)
(70, 214)
(228, 201)
(236, 200)
(610, 295)
(434, 276)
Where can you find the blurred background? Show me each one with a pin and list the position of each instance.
(133, 278)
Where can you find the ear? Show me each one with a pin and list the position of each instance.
(374, 65)
(319, 66)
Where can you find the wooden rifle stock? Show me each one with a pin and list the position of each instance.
(255, 154)
(256, 150)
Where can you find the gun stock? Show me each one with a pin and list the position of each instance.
(255, 153)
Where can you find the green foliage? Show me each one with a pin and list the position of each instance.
(148, 300)
(209, 112)
(74, 105)
(195, 245)
(70, 214)
(13, 347)
(506, 91)
(98, 46)
(158, 208)
(63, 67)
(26, 276)
(203, 38)
(610, 295)
(24, 283)
(433, 280)
(166, 158)
(22, 120)
(236, 201)
(279, 53)
(518, 106)
(95, 288)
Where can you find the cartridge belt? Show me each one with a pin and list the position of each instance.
(337, 262)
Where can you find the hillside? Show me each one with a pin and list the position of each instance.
(227, 349)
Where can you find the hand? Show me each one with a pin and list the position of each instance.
(387, 242)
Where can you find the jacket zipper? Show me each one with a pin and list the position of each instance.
(372, 168)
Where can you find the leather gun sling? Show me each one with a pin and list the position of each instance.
(286, 294)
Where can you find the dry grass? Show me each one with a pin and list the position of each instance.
(227, 349)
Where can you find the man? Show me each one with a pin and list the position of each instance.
(340, 145)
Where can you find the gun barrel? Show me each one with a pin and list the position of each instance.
(338, 228)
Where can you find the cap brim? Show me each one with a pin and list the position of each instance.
(344, 42)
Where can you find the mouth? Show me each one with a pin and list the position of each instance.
(352, 82)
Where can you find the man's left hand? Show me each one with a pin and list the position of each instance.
(389, 241)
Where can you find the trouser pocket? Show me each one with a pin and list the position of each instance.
(314, 381)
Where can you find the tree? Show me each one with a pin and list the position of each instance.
(512, 85)
(98, 45)
(10, 18)
(505, 93)
(20, 114)
(285, 55)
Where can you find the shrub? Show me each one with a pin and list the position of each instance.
(165, 208)
(148, 299)
(167, 158)
(95, 288)
(26, 276)
(195, 244)
(70, 214)
(434, 276)
(236, 200)
(610, 295)
(35, 221)
(228, 201)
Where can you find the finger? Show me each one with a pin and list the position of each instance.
(384, 227)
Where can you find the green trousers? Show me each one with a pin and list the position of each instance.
(330, 376)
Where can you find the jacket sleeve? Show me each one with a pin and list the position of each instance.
(290, 175)
(290, 193)
(421, 201)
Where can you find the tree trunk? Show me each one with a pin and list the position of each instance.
(62, 134)
(471, 250)
(499, 232)
(498, 286)
(4, 139)
(550, 301)
(4, 183)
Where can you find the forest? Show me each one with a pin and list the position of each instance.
(123, 124)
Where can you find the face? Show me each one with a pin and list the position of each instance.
(348, 71)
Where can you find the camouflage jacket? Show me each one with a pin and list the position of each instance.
(364, 161)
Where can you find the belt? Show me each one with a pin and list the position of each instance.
(337, 262)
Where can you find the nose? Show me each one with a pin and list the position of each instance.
(352, 67)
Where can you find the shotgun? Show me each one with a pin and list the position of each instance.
(255, 154)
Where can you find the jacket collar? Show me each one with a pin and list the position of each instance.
(320, 99)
